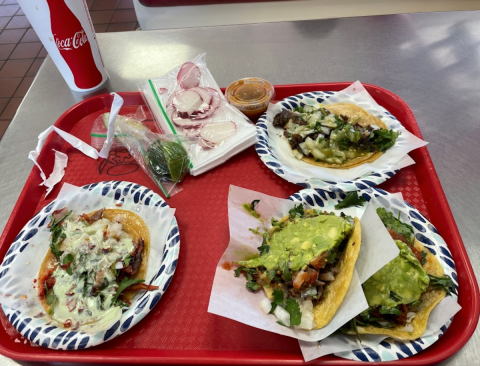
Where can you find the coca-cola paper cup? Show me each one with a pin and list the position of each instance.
(66, 31)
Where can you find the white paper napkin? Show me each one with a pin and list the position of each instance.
(61, 159)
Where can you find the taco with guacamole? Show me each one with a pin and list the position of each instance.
(402, 294)
(95, 265)
(338, 136)
(305, 266)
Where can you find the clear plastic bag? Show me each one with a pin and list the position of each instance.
(187, 101)
(165, 158)
(98, 134)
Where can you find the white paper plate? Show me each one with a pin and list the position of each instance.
(425, 233)
(266, 154)
(44, 333)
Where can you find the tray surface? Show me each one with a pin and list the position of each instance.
(179, 329)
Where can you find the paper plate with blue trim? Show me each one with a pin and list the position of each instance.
(390, 349)
(44, 332)
(266, 150)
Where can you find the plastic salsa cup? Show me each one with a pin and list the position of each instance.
(250, 95)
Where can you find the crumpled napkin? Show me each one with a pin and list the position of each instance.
(61, 159)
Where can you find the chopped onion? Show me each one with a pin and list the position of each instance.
(308, 292)
(282, 315)
(325, 130)
(326, 276)
(265, 305)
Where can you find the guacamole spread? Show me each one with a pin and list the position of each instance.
(301, 241)
(401, 281)
(305, 265)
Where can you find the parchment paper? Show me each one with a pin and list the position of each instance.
(230, 298)
(17, 287)
(356, 94)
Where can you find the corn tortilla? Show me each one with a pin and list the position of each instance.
(335, 291)
(429, 300)
(133, 226)
(363, 118)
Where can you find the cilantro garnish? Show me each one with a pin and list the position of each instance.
(382, 140)
(253, 286)
(127, 259)
(68, 259)
(123, 285)
(249, 272)
(424, 257)
(395, 224)
(395, 297)
(264, 248)
(55, 223)
(386, 310)
(58, 236)
(444, 283)
(351, 199)
(294, 310)
(277, 299)
(296, 211)
(353, 324)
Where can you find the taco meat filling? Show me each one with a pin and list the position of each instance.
(93, 260)
(394, 293)
(299, 256)
(330, 138)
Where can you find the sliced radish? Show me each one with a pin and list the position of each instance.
(205, 144)
(187, 102)
(185, 122)
(192, 132)
(189, 75)
(205, 94)
(214, 103)
(161, 91)
(217, 132)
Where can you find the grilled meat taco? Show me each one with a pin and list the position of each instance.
(307, 258)
(95, 265)
(402, 294)
(339, 136)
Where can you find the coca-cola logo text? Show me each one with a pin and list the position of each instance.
(78, 40)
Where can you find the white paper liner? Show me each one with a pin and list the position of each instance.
(202, 159)
(61, 159)
(17, 286)
(356, 94)
(442, 313)
(230, 298)
(337, 343)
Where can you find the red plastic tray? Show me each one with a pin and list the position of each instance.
(179, 330)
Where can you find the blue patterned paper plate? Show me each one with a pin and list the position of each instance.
(266, 154)
(44, 333)
(425, 232)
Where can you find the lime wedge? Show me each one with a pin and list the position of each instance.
(167, 159)
(176, 158)
(156, 160)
